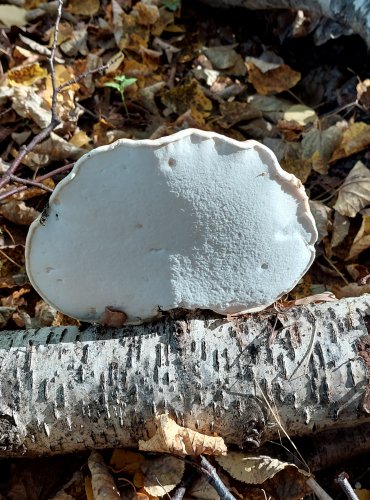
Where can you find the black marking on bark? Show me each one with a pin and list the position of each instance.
(332, 329)
(320, 355)
(193, 346)
(80, 375)
(324, 392)
(112, 373)
(166, 379)
(129, 358)
(42, 395)
(204, 352)
(85, 354)
(60, 397)
(350, 379)
(49, 338)
(216, 363)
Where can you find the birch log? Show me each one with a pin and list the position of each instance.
(65, 389)
(352, 13)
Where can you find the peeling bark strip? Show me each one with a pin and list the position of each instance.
(65, 390)
(355, 14)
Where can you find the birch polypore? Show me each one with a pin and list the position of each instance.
(193, 220)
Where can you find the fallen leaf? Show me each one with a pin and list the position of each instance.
(318, 146)
(172, 438)
(224, 57)
(59, 149)
(127, 461)
(28, 104)
(18, 212)
(188, 96)
(292, 161)
(321, 213)
(26, 75)
(202, 490)
(113, 317)
(354, 139)
(11, 15)
(162, 475)
(363, 93)
(83, 7)
(147, 14)
(350, 290)
(341, 226)
(253, 469)
(301, 114)
(272, 81)
(361, 241)
(235, 112)
(354, 193)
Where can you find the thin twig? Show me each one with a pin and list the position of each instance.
(29, 182)
(342, 480)
(54, 117)
(38, 179)
(83, 75)
(180, 491)
(214, 479)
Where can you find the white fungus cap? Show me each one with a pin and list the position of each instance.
(193, 220)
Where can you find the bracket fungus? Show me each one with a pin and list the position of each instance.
(193, 220)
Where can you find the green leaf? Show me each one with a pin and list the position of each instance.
(113, 85)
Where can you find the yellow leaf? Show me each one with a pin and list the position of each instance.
(354, 139)
(80, 139)
(26, 75)
(88, 489)
(126, 461)
(10, 15)
(354, 194)
(274, 80)
(172, 438)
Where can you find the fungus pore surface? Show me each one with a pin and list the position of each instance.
(193, 220)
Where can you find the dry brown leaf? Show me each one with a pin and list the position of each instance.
(26, 75)
(363, 93)
(341, 226)
(128, 461)
(273, 81)
(318, 298)
(113, 317)
(350, 290)
(83, 7)
(354, 194)
(188, 96)
(318, 145)
(292, 161)
(102, 483)
(80, 139)
(18, 212)
(28, 104)
(172, 438)
(11, 15)
(162, 475)
(253, 469)
(362, 239)
(146, 14)
(235, 112)
(59, 149)
(354, 139)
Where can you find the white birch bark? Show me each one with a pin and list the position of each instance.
(65, 390)
(352, 13)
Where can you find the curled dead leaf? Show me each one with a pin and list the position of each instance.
(172, 438)
(354, 194)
